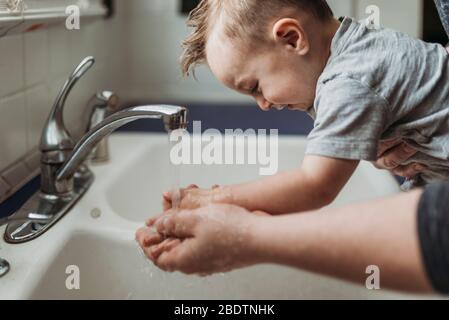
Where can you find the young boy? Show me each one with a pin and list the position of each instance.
(361, 86)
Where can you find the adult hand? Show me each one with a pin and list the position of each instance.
(211, 239)
(393, 153)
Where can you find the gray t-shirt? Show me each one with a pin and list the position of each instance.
(380, 85)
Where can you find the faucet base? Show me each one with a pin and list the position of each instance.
(49, 208)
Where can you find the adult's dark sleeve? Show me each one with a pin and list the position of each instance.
(433, 228)
(443, 10)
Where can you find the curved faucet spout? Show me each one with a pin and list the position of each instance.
(174, 117)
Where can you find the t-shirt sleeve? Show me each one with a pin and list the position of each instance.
(350, 120)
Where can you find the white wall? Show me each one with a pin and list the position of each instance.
(156, 31)
(403, 15)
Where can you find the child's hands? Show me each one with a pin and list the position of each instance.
(211, 239)
(193, 197)
(167, 197)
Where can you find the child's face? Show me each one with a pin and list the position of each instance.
(275, 75)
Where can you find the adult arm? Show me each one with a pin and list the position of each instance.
(337, 242)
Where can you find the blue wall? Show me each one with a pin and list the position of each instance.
(224, 116)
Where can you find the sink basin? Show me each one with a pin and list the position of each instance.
(133, 193)
(111, 267)
(97, 235)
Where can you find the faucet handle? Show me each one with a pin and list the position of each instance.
(101, 105)
(55, 136)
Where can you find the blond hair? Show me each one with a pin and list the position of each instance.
(243, 18)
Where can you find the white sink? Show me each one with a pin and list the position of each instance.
(126, 192)
(111, 267)
(135, 189)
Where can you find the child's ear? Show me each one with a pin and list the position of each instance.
(288, 32)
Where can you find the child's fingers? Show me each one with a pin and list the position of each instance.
(179, 225)
(166, 201)
(185, 191)
(166, 205)
(156, 250)
(165, 246)
(150, 222)
(152, 239)
(140, 234)
(167, 195)
(143, 234)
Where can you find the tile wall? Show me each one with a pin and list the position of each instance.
(33, 67)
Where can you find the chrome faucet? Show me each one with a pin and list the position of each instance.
(102, 105)
(64, 176)
(56, 142)
(173, 117)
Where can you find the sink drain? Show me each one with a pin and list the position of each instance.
(4, 267)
